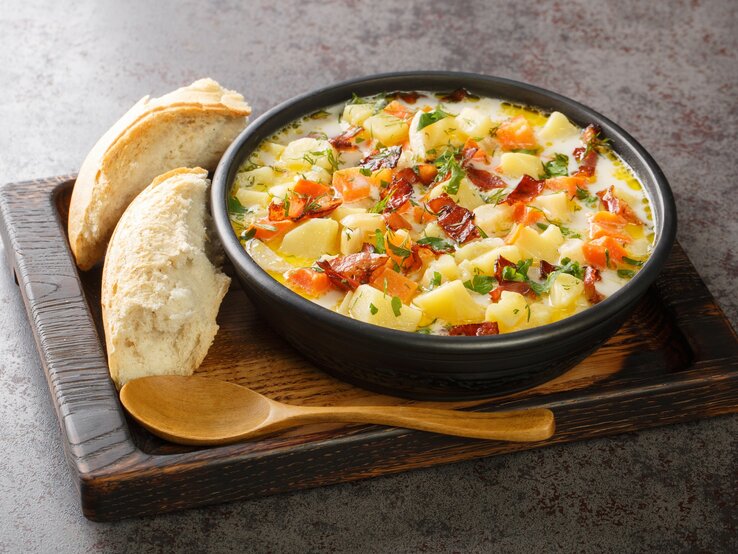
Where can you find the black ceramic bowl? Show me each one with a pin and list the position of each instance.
(426, 366)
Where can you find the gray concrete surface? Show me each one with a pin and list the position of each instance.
(667, 71)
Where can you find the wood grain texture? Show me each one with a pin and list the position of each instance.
(674, 360)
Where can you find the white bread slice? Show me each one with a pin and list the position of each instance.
(189, 127)
(160, 289)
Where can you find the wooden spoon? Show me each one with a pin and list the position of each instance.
(202, 411)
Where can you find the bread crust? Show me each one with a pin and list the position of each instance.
(124, 289)
(92, 214)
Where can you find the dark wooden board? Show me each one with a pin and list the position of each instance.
(675, 359)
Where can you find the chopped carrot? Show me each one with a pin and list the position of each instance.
(394, 284)
(531, 216)
(311, 282)
(427, 172)
(569, 184)
(268, 230)
(352, 184)
(399, 249)
(519, 210)
(384, 174)
(395, 221)
(398, 110)
(479, 154)
(311, 188)
(604, 252)
(516, 133)
(422, 215)
(606, 224)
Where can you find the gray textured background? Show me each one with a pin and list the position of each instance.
(666, 71)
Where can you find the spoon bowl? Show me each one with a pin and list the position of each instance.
(203, 411)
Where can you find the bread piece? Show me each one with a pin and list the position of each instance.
(189, 127)
(160, 289)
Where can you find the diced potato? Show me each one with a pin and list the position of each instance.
(555, 206)
(248, 197)
(494, 220)
(572, 249)
(445, 266)
(467, 196)
(268, 153)
(343, 307)
(450, 302)
(540, 314)
(474, 122)
(358, 229)
(543, 246)
(557, 126)
(511, 311)
(373, 306)
(303, 153)
(477, 248)
(565, 291)
(486, 262)
(517, 164)
(356, 114)
(343, 210)
(466, 271)
(311, 239)
(429, 142)
(260, 178)
(387, 129)
(317, 174)
(433, 229)
(266, 258)
(280, 191)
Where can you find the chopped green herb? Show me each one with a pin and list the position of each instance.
(235, 206)
(437, 244)
(373, 309)
(379, 207)
(423, 330)
(530, 151)
(436, 281)
(496, 197)
(320, 114)
(365, 171)
(527, 307)
(607, 257)
(429, 118)
(481, 284)
(626, 273)
(379, 242)
(356, 99)
(558, 167)
(586, 197)
(396, 305)
(447, 165)
(399, 250)
(631, 261)
(248, 234)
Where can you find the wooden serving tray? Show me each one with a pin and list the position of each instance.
(674, 360)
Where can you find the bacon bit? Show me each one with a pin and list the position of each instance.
(396, 222)
(528, 188)
(500, 265)
(617, 206)
(385, 158)
(456, 96)
(511, 286)
(590, 133)
(440, 202)
(344, 140)
(409, 97)
(456, 221)
(587, 156)
(546, 269)
(475, 329)
(483, 179)
(591, 276)
(348, 272)
(400, 190)
(587, 165)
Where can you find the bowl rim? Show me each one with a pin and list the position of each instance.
(661, 198)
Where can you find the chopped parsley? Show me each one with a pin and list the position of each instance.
(396, 305)
(373, 309)
(399, 250)
(365, 171)
(631, 261)
(626, 273)
(558, 167)
(587, 198)
(530, 151)
(436, 281)
(437, 244)
(235, 206)
(481, 284)
(429, 118)
(447, 165)
(248, 234)
(379, 242)
(379, 207)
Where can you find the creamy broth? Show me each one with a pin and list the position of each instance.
(443, 214)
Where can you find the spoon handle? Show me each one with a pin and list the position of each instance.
(517, 426)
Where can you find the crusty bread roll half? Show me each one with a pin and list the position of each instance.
(189, 127)
(160, 288)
